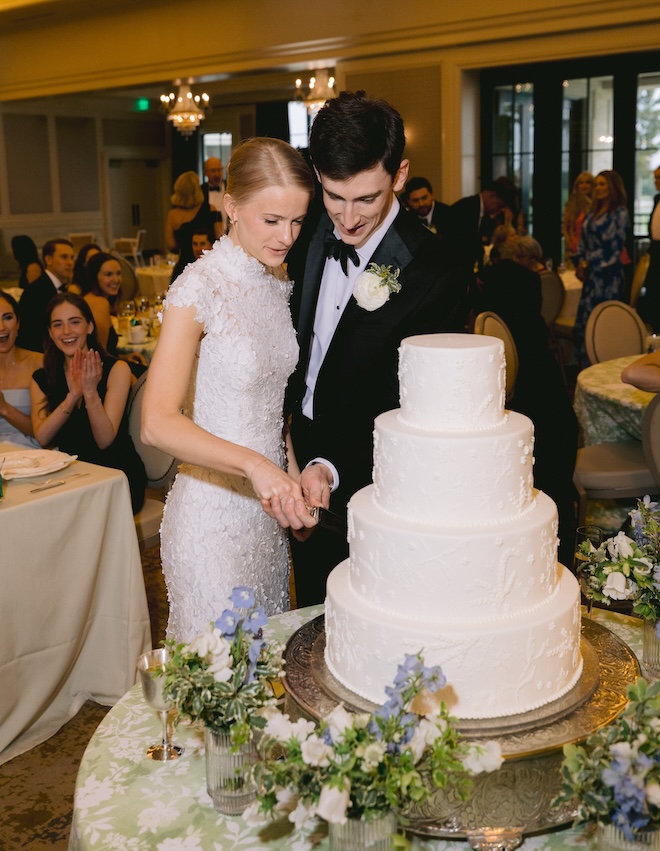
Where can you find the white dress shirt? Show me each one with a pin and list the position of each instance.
(334, 294)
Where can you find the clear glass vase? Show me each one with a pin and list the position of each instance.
(229, 779)
(610, 838)
(358, 834)
(651, 649)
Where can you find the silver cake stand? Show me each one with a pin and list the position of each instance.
(517, 799)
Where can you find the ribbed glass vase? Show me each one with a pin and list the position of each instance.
(610, 838)
(651, 648)
(229, 774)
(357, 835)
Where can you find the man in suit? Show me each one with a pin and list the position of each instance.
(649, 306)
(348, 368)
(58, 259)
(420, 200)
(214, 186)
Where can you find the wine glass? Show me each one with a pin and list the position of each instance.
(150, 666)
(125, 313)
(586, 533)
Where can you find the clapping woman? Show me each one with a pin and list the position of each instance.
(79, 397)
(16, 368)
(598, 260)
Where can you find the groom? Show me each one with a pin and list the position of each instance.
(347, 372)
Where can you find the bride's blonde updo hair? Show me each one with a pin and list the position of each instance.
(262, 162)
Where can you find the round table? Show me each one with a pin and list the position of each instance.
(123, 800)
(607, 409)
(154, 280)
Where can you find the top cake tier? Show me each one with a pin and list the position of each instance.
(452, 382)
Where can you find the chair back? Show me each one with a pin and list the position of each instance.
(492, 325)
(160, 467)
(78, 240)
(129, 281)
(552, 296)
(651, 437)
(614, 330)
(639, 277)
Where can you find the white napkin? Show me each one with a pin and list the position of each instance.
(34, 462)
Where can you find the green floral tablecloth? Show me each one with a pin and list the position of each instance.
(607, 409)
(124, 801)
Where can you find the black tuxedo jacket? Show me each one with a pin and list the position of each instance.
(32, 313)
(358, 378)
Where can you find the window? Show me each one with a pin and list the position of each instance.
(217, 145)
(647, 150)
(298, 124)
(513, 140)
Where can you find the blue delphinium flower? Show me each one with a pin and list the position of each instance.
(255, 620)
(242, 597)
(227, 622)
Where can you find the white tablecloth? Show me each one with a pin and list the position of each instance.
(73, 609)
(153, 280)
(123, 800)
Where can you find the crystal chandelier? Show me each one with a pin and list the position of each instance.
(185, 110)
(320, 89)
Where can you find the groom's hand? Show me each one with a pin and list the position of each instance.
(316, 482)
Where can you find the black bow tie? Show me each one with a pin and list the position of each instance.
(340, 251)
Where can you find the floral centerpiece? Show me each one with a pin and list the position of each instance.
(626, 567)
(223, 680)
(615, 775)
(361, 766)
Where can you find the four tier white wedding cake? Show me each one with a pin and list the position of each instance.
(452, 551)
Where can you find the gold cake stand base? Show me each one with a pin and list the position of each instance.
(519, 796)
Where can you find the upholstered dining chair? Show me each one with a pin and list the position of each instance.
(613, 330)
(492, 325)
(161, 469)
(552, 296)
(627, 468)
(129, 246)
(639, 278)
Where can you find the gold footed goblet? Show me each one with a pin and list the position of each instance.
(150, 667)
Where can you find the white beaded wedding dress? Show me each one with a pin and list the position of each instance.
(214, 534)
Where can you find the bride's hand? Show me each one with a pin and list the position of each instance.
(281, 496)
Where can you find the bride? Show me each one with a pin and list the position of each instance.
(214, 399)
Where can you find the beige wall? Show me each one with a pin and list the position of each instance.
(423, 56)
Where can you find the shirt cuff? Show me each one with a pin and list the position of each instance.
(331, 467)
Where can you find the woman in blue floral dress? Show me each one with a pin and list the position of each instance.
(598, 260)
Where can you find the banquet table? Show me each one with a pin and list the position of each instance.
(607, 409)
(123, 800)
(73, 608)
(146, 349)
(153, 280)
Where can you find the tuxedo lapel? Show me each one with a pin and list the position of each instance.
(314, 264)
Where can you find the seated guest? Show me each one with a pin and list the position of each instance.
(58, 260)
(26, 255)
(79, 396)
(16, 368)
(419, 198)
(530, 254)
(514, 293)
(202, 240)
(82, 259)
(644, 373)
(101, 290)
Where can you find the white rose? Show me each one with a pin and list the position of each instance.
(425, 734)
(370, 292)
(621, 545)
(338, 721)
(279, 727)
(485, 757)
(314, 751)
(302, 729)
(302, 815)
(617, 587)
(203, 642)
(372, 755)
(333, 804)
(653, 793)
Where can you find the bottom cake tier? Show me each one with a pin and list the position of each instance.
(500, 668)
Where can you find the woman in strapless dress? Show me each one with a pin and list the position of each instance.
(16, 368)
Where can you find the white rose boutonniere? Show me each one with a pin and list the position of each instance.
(374, 285)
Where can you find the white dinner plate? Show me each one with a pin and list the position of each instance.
(27, 463)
